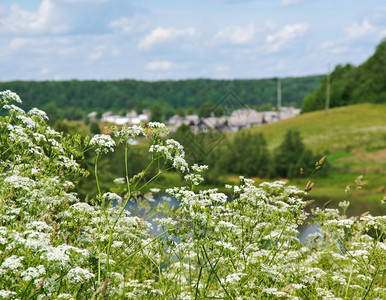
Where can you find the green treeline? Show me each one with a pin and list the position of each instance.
(247, 154)
(72, 99)
(351, 85)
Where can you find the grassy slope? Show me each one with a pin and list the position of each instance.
(354, 140)
(355, 126)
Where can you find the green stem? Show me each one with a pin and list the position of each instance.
(214, 271)
(96, 175)
(348, 284)
(199, 276)
(99, 227)
(127, 169)
(139, 250)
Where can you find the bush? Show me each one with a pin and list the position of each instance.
(292, 159)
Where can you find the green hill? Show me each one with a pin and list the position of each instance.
(343, 128)
(350, 85)
(354, 140)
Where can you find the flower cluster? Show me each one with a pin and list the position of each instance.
(173, 151)
(103, 143)
(8, 96)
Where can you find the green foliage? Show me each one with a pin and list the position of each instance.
(247, 155)
(292, 159)
(156, 113)
(94, 128)
(350, 85)
(208, 109)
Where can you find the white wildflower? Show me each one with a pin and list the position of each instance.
(344, 204)
(157, 129)
(199, 169)
(6, 294)
(112, 197)
(79, 275)
(120, 180)
(38, 114)
(13, 262)
(103, 143)
(8, 96)
(14, 109)
(33, 273)
(64, 297)
(127, 135)
(194, 179)
(164, 222)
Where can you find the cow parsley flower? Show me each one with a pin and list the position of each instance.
(199, 169)
(38, 114)
(157, 129)
(112, 197)
(14, 109)
(33, 273)
(127, 135)
(103, 143)
(13, 262)
(6, 294)
(8, 96)
(79, 275)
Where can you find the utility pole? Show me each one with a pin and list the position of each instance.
(328, 89)
(278, 98)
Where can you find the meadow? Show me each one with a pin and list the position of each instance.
(55, 245)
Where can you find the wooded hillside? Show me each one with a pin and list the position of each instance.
(79, 97)
(351, 85)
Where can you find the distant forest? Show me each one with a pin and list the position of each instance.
(73, 99)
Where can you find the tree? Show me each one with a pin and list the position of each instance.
(206, 109)
(156, 113)
(292, 159)
(248, 155)
(287, 155)
(180, 111)
(138, 107)
(94, 128)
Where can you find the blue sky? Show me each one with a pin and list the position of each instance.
(180, 39)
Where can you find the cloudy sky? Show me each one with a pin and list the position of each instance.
(180, 39)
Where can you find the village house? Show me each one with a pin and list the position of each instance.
(131, 118)
(239, 119)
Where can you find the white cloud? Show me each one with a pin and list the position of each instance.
(236, 35)
(357, 31)
(220, 68)
(80, 1)
(17, 43)
(45, 20)
(292, 2)
(159, 65)
(44, 71)
(333, 48)
(127, 25)
(163, 35)
(289, 32)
